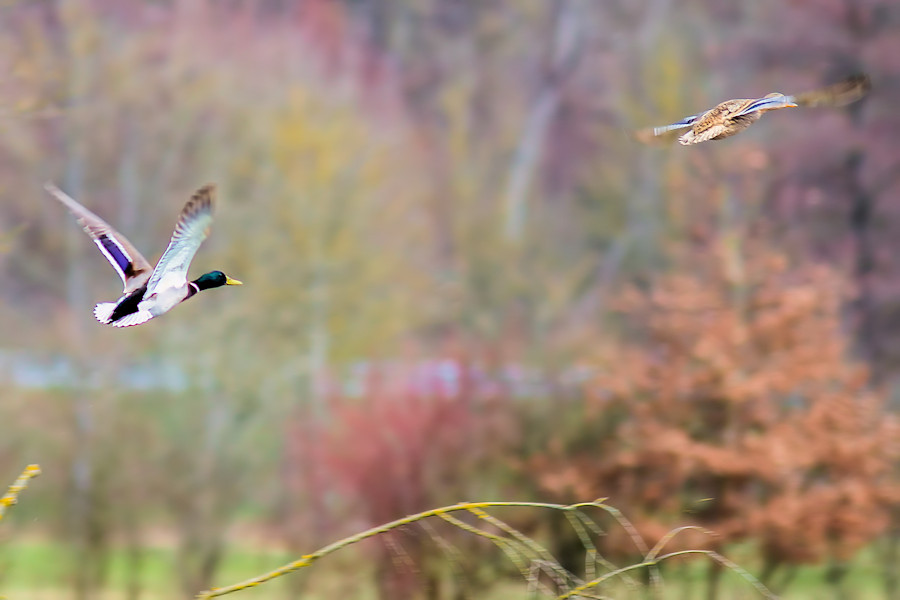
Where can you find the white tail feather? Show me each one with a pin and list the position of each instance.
(135, 318)
(104, 310)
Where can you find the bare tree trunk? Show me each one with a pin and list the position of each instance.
(565, 48)
(88, 527)
(864, 266)
(891, 558)
(134, 561)
(835, 577)
(129, 183)
(713, 576)
(202, 522)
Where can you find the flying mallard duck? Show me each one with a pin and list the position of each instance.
(150, 292)
(733, 116)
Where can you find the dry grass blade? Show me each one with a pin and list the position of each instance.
(584, 526)
(509, 547)
(636, 539)
(579, 591)
(668, 538)
(309, 559)
(400, 556)
(12, 495)
(455, 558)
(543, 556)
(535, 564)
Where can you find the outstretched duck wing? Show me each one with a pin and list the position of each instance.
(131, 266)
(649, 134)
(837, 94)
(190, 231)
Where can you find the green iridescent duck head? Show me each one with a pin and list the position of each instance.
(215, 279)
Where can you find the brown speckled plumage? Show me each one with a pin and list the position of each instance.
(721, 121)
(733, 116)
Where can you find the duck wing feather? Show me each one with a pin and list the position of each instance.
(190, 231)
(130, 264)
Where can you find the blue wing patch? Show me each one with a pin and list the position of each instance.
(116, 254)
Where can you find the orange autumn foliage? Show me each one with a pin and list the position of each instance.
(731, 401)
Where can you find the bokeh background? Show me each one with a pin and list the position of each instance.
(463, 280)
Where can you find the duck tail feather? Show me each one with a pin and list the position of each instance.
(135, 318)
(103, 311)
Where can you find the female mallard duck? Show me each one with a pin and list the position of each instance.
(733, 116)
(150, 292)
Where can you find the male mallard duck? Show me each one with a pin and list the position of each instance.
(150, 292)
(733, 116)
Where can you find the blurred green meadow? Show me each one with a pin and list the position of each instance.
(37, 570)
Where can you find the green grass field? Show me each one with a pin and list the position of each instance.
(41, 570)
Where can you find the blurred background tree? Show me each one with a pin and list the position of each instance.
(734, 406)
